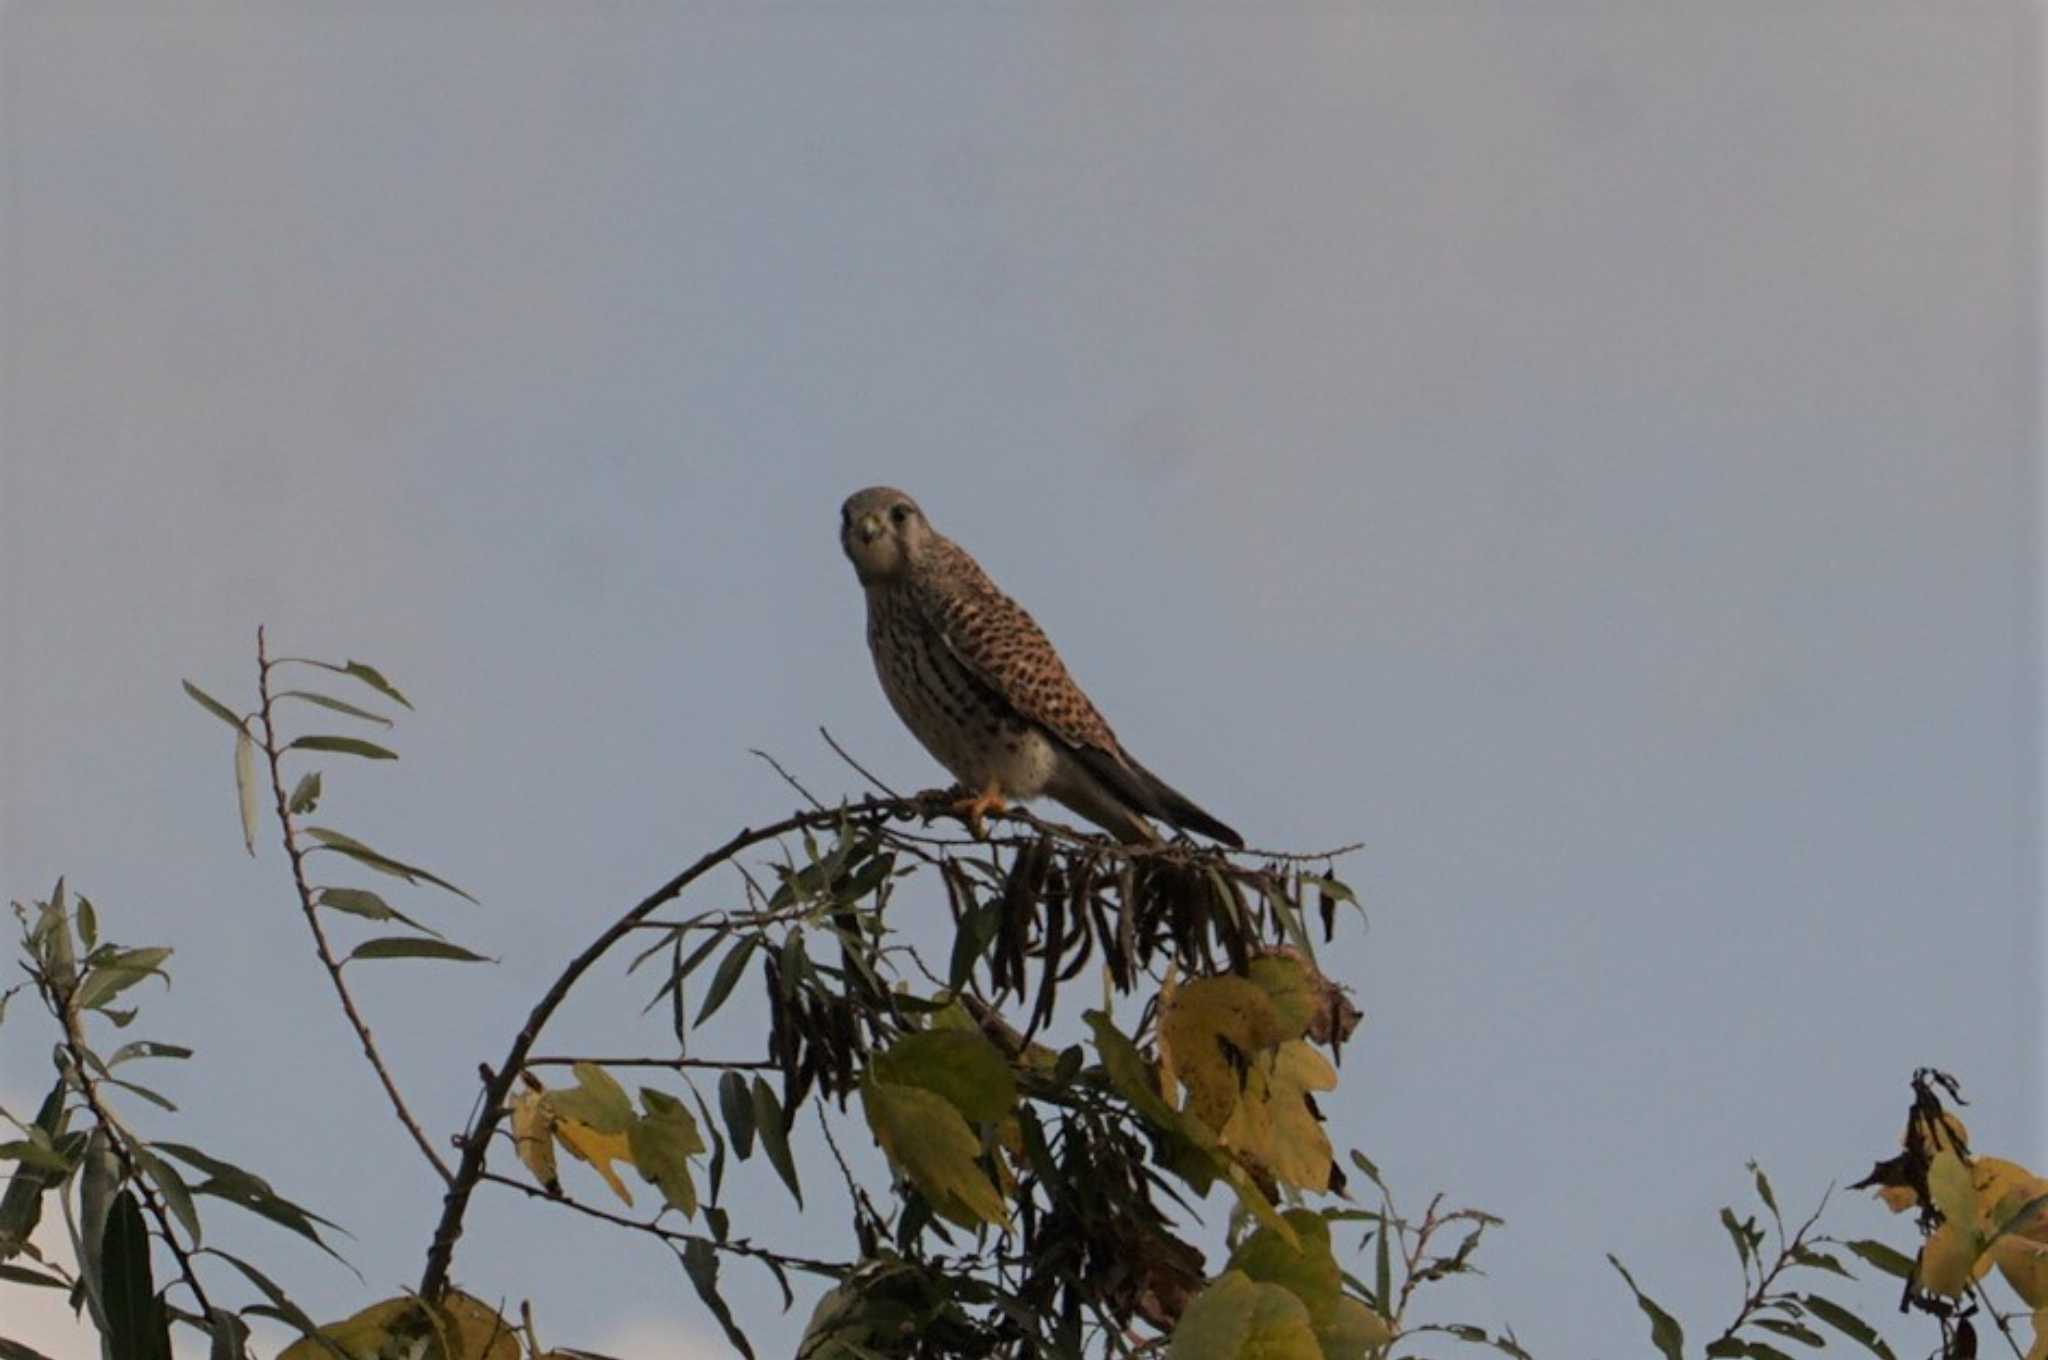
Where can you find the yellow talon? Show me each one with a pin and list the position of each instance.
(974, 807)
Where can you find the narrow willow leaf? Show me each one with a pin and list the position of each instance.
(175, 1192)
(1848, 1324)
(1893, 1263)
(279, 1300)
(305, 794)
(737, 1105)
(21, 1206)
(408, 947)
(23, 1275)
(146, 1048)
(774, 1138)
(348, 746)
(375, 859)
(117, 973)
(335, 704)
(364, 903)
(729, 969)
(369, 676)
(161, 1102)
(245, 788)
(700, 1263)
(214, 706)
(88, 924)
(1665, 1333)
(137, 1328)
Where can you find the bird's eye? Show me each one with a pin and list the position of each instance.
(899, 514)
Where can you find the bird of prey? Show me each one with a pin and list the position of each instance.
(974, 679)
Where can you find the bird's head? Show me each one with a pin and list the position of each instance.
(884, 534)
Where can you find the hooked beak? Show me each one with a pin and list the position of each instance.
(869, 528)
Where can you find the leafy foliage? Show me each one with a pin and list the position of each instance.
(1107, 1036)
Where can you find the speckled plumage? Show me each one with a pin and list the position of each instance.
(978, 683)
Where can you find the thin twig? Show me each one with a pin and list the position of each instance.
(831, 1269)
(476, 1141)
(715, 1064)
(858, 768)
(118, 1136)
(787, 777)
(297, 857)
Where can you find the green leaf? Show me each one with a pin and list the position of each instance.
(1848, 1324)
(700, 1263)
(362, 902)
(249, 1191)
(214, 706)
(598, 1100)
(729, 969)
(1736, 1234)
(1806, 1336)
(88, 924)
(23, 1275)
(925, 1136)
(161, 1102)
(412, 947)
(960, 1065)
(305, 794)
(1763, 1189)
(1237, 1317)
(1893, 1263)
(736, 1103)
(369, 676)
(775, 1138)
(337, 705)
(245, 789)
(348, 746)
(286, 1309)
(662, 1143)
(1665, 1333)
(171, 1186)
(1819, 1260)
(382, 863)
(117, 973)
(137, 1328)
(147, 1048)
(21, 1206)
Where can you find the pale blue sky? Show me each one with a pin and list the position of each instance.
(1587, 452)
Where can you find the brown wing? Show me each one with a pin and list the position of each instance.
(1003, 646)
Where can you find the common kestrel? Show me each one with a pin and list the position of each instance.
(974, 678)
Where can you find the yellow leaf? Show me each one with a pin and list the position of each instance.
(462, 1328)
(1212, 1026)
(959, 1064)
(926, 1137)
(599, 1149)
(1273, 1125)
(533, 1136)
(1345, 1328)
(1287, 980)
(1237, 1317)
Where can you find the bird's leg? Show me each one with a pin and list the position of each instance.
(975, 806)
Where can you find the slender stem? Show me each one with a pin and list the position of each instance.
(119, 1138)
(297, 857)
(715, 1064)
(831, 1269)
(476, 1141)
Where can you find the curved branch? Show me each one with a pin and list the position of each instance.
(274, 754)
(476, 1141)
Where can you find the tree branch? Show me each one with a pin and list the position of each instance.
(275, 755)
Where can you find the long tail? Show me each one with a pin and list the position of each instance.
(1148, 793)
(1176, 807)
